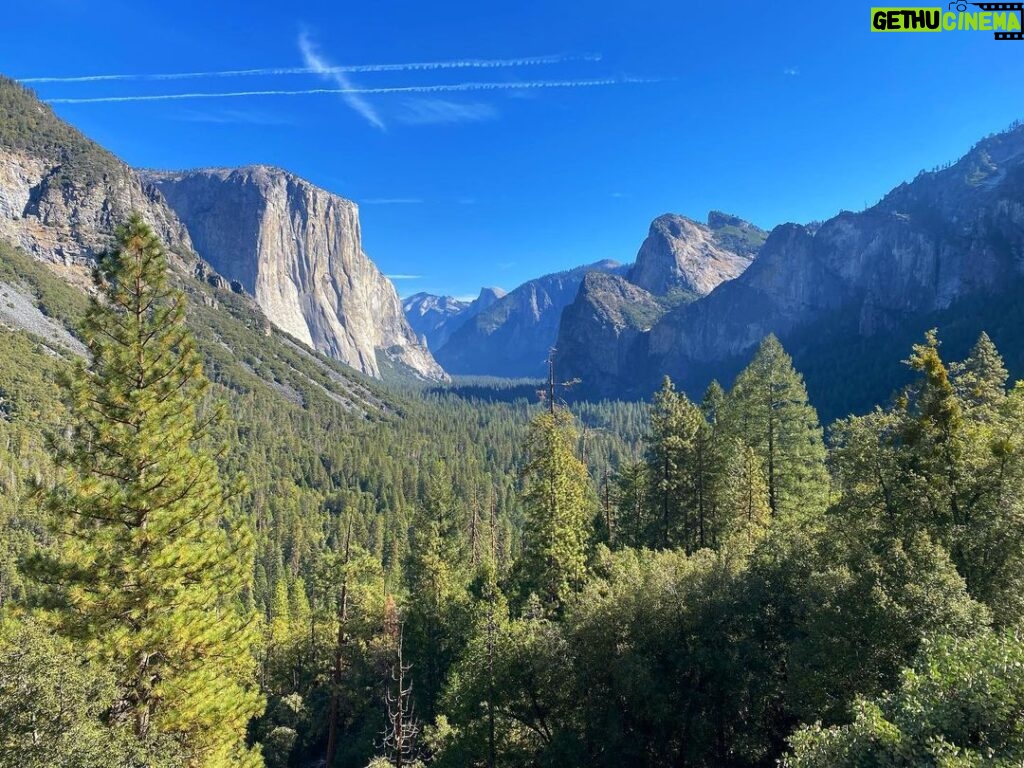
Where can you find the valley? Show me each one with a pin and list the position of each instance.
(745, 498)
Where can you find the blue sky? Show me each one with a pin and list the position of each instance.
(590, 119)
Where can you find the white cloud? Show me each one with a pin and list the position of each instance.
(791, 71)
(428, 111)
(231, 116)
(404, 277)
(348, 92)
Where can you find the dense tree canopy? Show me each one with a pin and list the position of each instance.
(681, 584)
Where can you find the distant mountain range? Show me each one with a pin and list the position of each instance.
(435, 318)
(512, 336)
(681, 260)
(846, 296)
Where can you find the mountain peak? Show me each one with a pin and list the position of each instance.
(682, 255)
(488, 295)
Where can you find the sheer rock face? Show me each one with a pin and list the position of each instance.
(945, 240)
(682, 255)
(297, 249)
(603, 336)
(600, 338)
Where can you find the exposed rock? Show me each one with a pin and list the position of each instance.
(19, 310)
(436, 318)
(62, 195)
(926, 244)
(297, 249)
(888, 272)
(599, 333)
(681, 255)
(512, 337)
(604, 332)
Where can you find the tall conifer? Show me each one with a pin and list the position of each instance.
(149, 563)
(768, 411)
(558, 508)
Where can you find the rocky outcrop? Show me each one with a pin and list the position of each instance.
(836, 292)
(297, 248)
(600, 336)
(435, 318)
(681, 255)
(602, 340)
(62, 195)
(513, 336)
(927, 244)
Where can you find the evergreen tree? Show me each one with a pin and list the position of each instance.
(744, 497)
(768, 410)
(438, 618)
(981, 378)
(558, 509)
(631, 485)
(680, 459)
(959, 706)
(148, 566)
(52, 705)
(957, 463)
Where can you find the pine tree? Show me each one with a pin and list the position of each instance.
(630, 487)
(668, 447)
(558, 509)
(149, 563)
(960, 467)
(981, 378)
(744, 498)
(716, 456)
(438, 619)
(769, 412)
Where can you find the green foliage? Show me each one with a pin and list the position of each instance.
(27, 125)
(558, 507)
(958, 706)
(434, 510)
(948, 464)
(768, 411)
(438, 619)
(144, 569)
(53, 704)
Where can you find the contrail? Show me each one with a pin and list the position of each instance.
(508, 86)
(420, 66)
(322, 67)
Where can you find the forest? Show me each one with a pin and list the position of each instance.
(197, 572)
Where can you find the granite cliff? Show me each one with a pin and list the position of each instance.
(603, 334)
(946, 250)
(683, 255)
(297, 249)
(62, 195)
